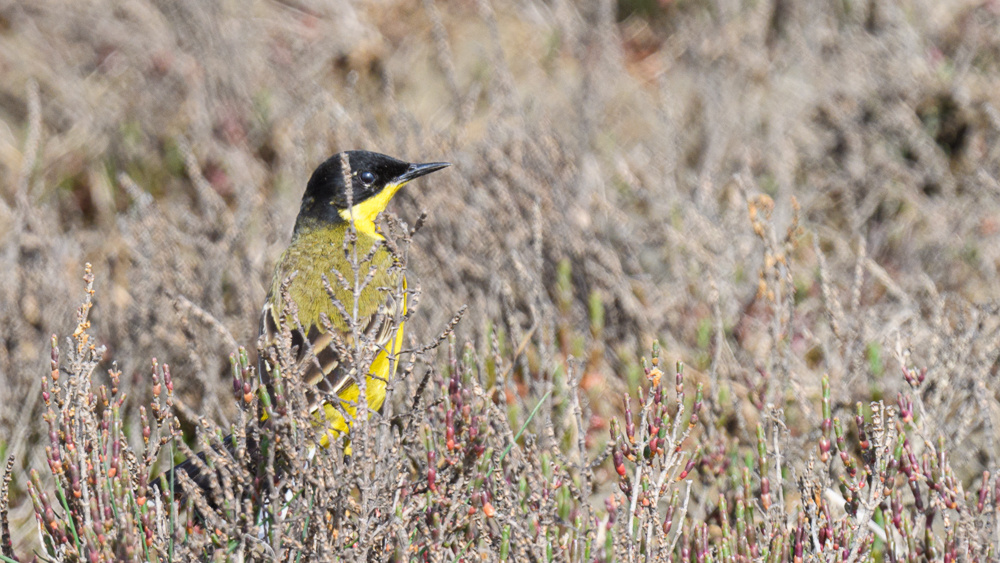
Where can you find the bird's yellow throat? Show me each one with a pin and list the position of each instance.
(364, 213)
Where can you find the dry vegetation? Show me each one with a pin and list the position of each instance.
(799, 200)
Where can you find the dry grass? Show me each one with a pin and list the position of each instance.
(774, 190)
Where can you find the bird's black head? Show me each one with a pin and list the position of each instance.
(374, 179)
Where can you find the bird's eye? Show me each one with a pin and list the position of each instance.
(367, 177)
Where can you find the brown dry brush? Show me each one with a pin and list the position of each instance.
(895, 172)
(455, 470)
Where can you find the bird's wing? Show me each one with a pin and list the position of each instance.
(328, 353)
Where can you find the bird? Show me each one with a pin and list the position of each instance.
(339, 202)
(329, 209)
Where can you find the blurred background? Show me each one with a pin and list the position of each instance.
(774, 189)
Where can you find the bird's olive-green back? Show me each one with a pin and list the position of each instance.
(318, 250)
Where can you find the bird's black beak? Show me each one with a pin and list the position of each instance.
(417, 170)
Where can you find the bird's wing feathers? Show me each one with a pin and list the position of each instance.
(327, 353)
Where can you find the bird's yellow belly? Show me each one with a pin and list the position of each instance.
(382, 369)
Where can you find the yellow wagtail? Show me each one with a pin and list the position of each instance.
(322, 334)
(317, 249)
